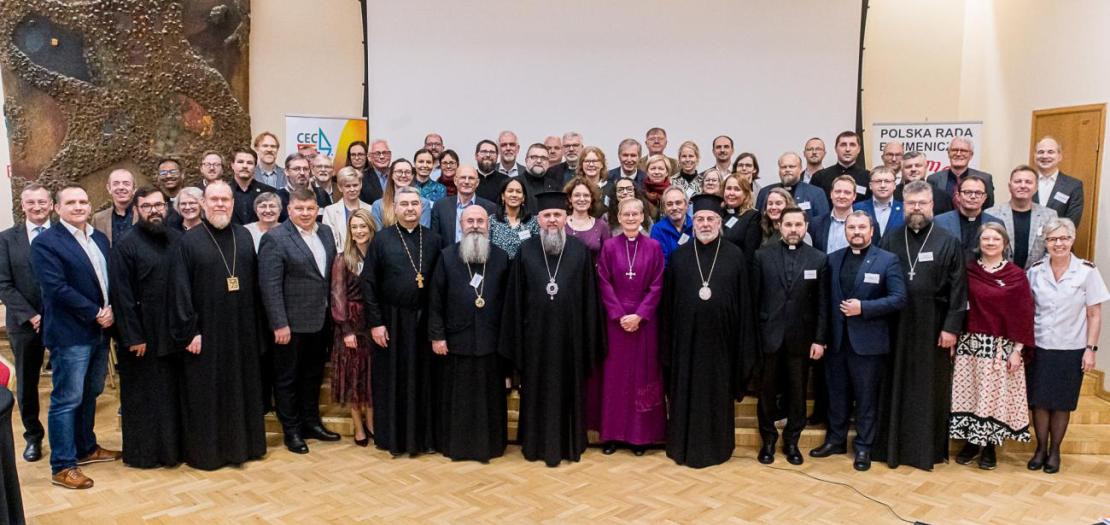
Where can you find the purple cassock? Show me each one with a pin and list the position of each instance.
(630, 382)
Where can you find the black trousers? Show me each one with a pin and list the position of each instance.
(853, 377)
(11, 501)
(298, 374)
(783, 375)
(28, 350)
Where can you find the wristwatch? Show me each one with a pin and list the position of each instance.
(1093, 348)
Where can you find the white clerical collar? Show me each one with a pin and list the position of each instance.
(856, 252)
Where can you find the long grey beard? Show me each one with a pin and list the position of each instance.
(553, 242)
(220, 221)
(474, 248)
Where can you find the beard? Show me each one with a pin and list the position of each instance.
(917, 221)
(792, 239)
(219, 219)
(485, 165)
(158, 229)
(474, 248)
(553, 241)
(706, 236)
(536, 171)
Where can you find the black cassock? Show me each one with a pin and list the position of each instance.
(917, 392)
(472, 411)
(708, 350)
(554, 342)
(149, 406)
(402, 375)
(221, 387)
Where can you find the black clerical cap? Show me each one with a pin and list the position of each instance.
(550, 200)
(707, 202)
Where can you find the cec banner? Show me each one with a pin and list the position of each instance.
(930, 138)
(328, 135)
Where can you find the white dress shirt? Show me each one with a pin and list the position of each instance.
(31, 227)
(315, 245)
(99, 263)
(1060, 321)
(1044, 188)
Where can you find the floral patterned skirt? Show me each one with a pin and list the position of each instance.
(989, 403)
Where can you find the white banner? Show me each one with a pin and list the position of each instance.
(930, 138)
(5, 168)
(328, 135)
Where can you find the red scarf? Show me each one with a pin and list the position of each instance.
(1001, 303)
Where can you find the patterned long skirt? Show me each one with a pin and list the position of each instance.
(989, 403)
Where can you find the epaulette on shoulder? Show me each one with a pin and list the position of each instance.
(1089, 263)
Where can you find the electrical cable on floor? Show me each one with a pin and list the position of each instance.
(841, 483)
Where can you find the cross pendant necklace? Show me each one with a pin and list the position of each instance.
(416, 266)
(913, 262)
(631, 257)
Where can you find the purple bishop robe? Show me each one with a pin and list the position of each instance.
(631, 407)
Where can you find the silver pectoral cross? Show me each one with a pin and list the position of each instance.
(630, 274)
(911, 274)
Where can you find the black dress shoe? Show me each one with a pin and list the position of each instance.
(33, 452)
(767, 454)
(295, 444)
(609, 448)
(318, 431)
(793, 455)
(1037, 461)
(638, 450)
(862, 462)
(362, 442)
(828, 449)
(1052, 463)
(987, 459)
(967, 453)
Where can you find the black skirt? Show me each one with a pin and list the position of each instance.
(1055, 379)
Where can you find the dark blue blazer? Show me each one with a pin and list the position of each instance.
(71, 295)
(819, 231)
(949, 221)
(638, 180)
(803, 192)
(897, 216)
(868, 332)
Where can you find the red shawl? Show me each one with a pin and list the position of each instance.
(1001, 303)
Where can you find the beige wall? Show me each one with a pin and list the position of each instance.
(1014, 56)
(306, 58)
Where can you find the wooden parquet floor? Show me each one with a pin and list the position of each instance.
(341, 483)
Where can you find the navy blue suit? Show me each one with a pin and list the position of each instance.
(854, 360)
(638, 179)
(816, 202)
(71, 295)
(896, 219)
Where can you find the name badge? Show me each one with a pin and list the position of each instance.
(731, 222)
(925, 257)
(1061, 197)
(809, 274)
(804, 205)
(871, 278)
(476, 280)
(683, 239)
(861, 190)
(524, 235)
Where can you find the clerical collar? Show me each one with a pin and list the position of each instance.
(406, 229)
(970, 219)
(923, 228)
(789, 246)
(860, 251)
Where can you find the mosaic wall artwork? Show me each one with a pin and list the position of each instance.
(93, 85)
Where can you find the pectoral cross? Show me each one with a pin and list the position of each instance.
(911, 274)
(419, 280)
(630, 274)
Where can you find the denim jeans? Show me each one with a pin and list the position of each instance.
(78, 375)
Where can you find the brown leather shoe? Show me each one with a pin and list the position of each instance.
(100, 455)
(72, 478)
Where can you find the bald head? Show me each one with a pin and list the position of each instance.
(474, 219)
(466, 181)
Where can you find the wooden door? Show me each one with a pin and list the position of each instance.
(1080, 132)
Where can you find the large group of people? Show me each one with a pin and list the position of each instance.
(640, 301)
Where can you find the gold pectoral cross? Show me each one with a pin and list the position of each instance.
(419, 280)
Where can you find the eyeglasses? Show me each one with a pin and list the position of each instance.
(152, 206)
(959, 151)
(209, 165)
(537, 157)
(357, 155)
(385, 153)
(402, 172)
(298, 169)
(973, 193)
(882, 181)
(1057, 240)
(591, 161)
(626, 189)
(448, 163)
(486, 153)
(918, 204)
(173, 172)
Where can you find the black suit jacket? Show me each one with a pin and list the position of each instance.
(371, 186)
(19, 289)
(824, 179)
(793, 311)
(1066, 198)
(294, 292)
(941, 201)
(940, 181)
(445, 216)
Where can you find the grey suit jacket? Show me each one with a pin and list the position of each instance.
(1070, 190)
(294, 292)
(1037, 220)
(949, 221)
(19, 289)
(939, 180)
(445, 216)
